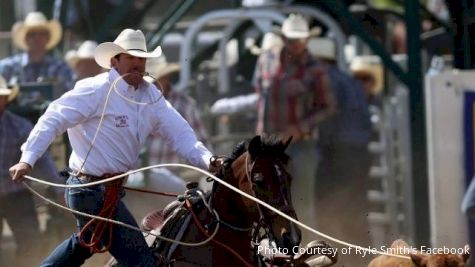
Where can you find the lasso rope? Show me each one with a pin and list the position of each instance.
(113, 86)
(338, 241)
(111, 220)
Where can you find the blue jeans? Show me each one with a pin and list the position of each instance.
(128, 246)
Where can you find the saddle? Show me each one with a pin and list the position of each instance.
(172, 221)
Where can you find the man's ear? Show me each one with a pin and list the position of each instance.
(114, 62)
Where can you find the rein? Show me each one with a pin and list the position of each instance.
(278, 212)
(189, 206)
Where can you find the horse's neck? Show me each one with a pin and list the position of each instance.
(230, 208)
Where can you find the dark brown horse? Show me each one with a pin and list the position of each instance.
(258, 168)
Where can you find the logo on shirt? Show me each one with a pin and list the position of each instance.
(121, 121)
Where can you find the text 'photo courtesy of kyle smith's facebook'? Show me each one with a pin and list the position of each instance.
(330, 251)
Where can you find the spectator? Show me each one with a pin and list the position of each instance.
(82, 60)
(294, 97)
(368, 70)
(17, 206)
(342, 172)
(37, 36)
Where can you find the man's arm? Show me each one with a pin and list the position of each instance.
(63, 113)
(324, 103)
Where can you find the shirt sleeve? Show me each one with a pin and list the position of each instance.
(180, 136)
(65, 112)
(323, 103)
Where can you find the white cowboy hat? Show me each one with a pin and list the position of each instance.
(322, 47)
(369, 65)
(296, 27)
(130, 42)
(85, 51)
(5, 91)
(159, 67)
(36, 20)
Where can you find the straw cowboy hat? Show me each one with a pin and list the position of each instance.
(322, 47)
(85, 51)
(369, 65)
(159, 67)
(5, 91)
(296, 27)
(130, 42)
(33, 21)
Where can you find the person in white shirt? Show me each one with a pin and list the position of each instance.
(107, 127)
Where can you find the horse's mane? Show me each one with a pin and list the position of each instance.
(270, 146)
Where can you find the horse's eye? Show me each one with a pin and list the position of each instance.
(257, 177)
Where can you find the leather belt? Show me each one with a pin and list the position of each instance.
(92, 178)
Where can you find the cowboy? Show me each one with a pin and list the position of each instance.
(36, 36)
(82, 60)
(16, 202)
(368, 70)
(108, 118)
(294, 97)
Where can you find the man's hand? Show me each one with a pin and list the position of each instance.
(215, 164)
(18, 170)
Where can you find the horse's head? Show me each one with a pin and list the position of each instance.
(261, 170)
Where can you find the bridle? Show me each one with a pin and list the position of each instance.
(255, 177)
(259, 229)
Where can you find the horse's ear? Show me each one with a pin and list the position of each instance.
(419, 259)
(287, 143)
(255, 146)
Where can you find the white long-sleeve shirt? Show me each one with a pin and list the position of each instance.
(123, 131)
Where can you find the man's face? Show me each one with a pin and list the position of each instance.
(134, 67)
(296, 47)
(367, 81)
(37, 39)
